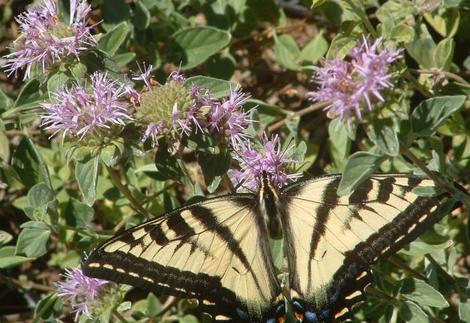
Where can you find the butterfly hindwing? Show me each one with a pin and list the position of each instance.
(333, 240)
(215, 251)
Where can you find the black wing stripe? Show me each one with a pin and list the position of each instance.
(158, 277)
(179, 226)
(206, 217)
(329, 200)
(385, 189)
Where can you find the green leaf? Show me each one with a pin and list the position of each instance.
(422, 293)
(48, 308)
(124, 58)
(315, 49)
(29, 95)
(429, 114)
(5, 237)
(464, 311)
(40, 200)
(29, 164)
(4, 147)
(78, 214)
(86, 174)
(444, 21)
(214, 166)
(56, 81)
(167, 166)
(412, 313)
(114, 12)
(339, 144)
(422, 47)
(219, 88)
(9, 259)
(5, 101)
(382, 133)
(110, 155)
(420, 248)
(188, 319)
(40, 195)
(32, 240)
(402, 33)
(113, 39)
(287, 52)
(153, 305)
(340, 46)
(141, 19)
(266, 113)
(359, 167)
(444, 53)
(192, 46)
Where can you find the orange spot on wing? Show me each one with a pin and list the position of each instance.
(299, 316)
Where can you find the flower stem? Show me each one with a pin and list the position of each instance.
(420, 88)
(396, 261)
(116, 180)
(300, 113)
(119, 316)
(447, 74)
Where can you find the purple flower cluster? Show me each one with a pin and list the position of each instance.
(227, 118)
(174, 110)
(349, 85)
(80, 112)
(46, 40)
(82, 291)
(270, 159)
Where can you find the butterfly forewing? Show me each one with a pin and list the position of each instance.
(215, 251)
(333, 240)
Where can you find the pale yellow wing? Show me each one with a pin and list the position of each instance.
(215, 251)
(333, 240)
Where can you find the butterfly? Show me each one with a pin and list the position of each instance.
(218, 251)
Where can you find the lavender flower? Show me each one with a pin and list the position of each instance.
(46, 40)
(144, 75)
(82, 291)
(349, 85)
(80, 112)
(227, 118)
(272, 160)
(167, 110)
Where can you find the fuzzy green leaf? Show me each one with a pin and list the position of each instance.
(430, 114)
(29, 164)
(32, 240)
(359, 166)
(192, 46)
(86, 174)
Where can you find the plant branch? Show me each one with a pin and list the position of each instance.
(27, 284)
(421, 89)
(400, 264)
(136, 205)
(438, 72)
(458, 194)
(299, 113)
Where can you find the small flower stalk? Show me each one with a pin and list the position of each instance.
(83, 293)
(46, 40)
(270, 159)
(352, 85)
(89, 113)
